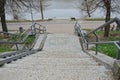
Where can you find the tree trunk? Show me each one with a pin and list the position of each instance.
(41, 10)
(107, 4)
(3, 22)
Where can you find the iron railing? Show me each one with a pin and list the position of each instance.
(84, 37)
(12, 56)
(18, 38)
(37, 26)
(34, 27)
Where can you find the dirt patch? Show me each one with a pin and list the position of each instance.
(112, 37)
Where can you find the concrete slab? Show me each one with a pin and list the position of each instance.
(61, 59)
(39, 41)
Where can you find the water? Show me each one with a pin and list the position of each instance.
(60, 9)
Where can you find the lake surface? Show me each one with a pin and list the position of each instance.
(60, 9)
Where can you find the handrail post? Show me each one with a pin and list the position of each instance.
(86, 43)
(118, 55)
(33, 32)
(17, 46)
(39, 29)
(15, 36)
(96, 41)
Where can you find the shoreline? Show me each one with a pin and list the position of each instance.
(54, 20)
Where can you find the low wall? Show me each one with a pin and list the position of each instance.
(116, 69)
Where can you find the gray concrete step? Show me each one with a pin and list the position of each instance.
(38, 42)
(61, 59)
(62, 43)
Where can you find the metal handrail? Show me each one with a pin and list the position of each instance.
(12, 56)
(15, 41)
(78, 30)
(8, 33)
(84, 36)
(22, 40)
(117, 20)
(41, 28)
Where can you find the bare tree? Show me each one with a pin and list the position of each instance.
(110, 6)
(42, 5)
(2, 11)
(14, 9)
(88, 6)
(107, 5)
(17, 7)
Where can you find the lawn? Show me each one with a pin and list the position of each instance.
(95, 19)
(108, 49)
(30, 40)
(8, 47)
(5, 48)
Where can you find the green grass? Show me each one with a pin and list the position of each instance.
(111, 32)
(108, 49)
(5, 48)
(114, 35)
(95, 19)
(100, 32)
(30, 39)
(88, 30)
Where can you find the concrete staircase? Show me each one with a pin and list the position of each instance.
(61, 59)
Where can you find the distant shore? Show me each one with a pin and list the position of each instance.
(52, 19)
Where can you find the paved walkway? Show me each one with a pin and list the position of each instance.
(56, 26)
(61, 59)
